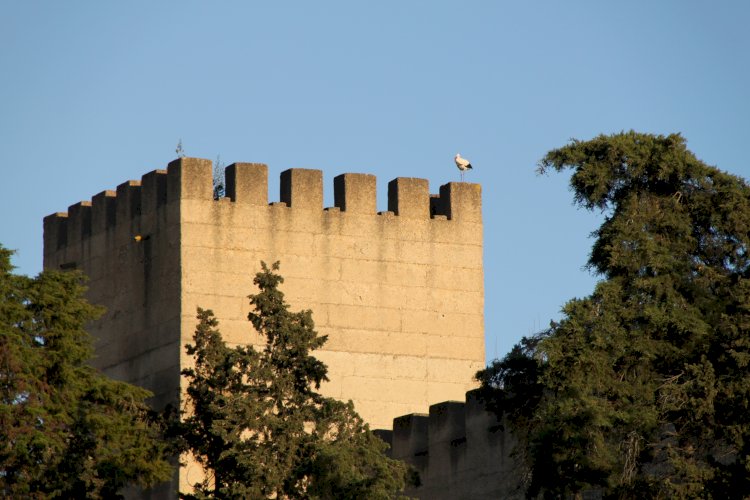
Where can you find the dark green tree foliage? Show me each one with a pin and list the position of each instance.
(65, 430)
(644, 387)
(257, 425)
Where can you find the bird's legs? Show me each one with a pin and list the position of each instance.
(462, 175)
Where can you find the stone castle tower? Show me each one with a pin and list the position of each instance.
(399, 293)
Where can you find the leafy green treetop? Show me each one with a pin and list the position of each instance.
(257, 424)
(65, 429)
(643, 388)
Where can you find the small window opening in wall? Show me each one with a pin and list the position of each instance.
(69, 265)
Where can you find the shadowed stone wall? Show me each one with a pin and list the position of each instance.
(460, 450)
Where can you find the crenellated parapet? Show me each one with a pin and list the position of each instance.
(460, 450)
(247, 183)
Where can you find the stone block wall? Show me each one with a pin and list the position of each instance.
(138, 338)
(399, 293)
(460, 450)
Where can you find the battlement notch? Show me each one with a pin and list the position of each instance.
(410, 433)
(355, 193)
(409, 197)
(302, 188)
(103, 211)
(128, 201)
(247, 183)
(79, 221)
(447, 422)
(153, 191)
(189, 179)
(461, 201)
(55, 232)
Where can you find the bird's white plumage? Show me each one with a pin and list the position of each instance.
(463, 164)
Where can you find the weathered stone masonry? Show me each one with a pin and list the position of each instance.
(399, 293)
(459, 449)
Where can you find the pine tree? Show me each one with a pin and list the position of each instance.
(258, 426)
(643, 388)
(65, 429)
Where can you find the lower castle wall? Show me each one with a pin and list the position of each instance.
(460, 450)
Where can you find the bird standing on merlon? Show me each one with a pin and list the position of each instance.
(463, 164)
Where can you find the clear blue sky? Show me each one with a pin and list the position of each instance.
(96, 93)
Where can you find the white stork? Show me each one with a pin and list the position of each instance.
(463, 164)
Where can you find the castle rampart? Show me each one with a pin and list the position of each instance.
(461, 451)
(398, 293)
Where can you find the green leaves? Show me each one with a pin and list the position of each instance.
(65, 429)
(641, 382)
(254, 420)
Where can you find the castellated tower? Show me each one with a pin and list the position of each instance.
(399, 293)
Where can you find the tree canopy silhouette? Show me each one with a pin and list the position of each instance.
(65, 429)
(643, 388)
